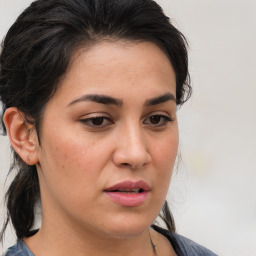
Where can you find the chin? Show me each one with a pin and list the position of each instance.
(128, 227)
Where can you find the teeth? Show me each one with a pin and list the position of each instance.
(128, 191)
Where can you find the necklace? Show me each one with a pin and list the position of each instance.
(153, 245)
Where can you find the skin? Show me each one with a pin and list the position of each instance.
(79, 157)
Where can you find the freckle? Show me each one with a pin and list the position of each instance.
(93, 143)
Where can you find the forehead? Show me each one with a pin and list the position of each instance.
(115, 67)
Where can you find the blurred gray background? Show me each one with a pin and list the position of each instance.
(213, 192)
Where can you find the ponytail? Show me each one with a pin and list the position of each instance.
(21, 198)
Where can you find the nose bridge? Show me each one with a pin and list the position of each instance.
(132, 146)
(135, 141)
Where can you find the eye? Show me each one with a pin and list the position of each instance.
(157, 120)
(97, 122)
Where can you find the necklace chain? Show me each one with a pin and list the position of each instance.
(153, 245)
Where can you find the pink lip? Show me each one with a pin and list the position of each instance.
(132, 199)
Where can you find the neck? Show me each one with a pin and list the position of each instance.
(57, 240)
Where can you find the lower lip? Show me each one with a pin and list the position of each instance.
(130, 200)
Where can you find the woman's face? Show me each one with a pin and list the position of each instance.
(109, 140)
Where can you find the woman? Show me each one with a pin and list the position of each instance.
(90, 90)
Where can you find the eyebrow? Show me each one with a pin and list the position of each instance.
(160, 99)
(108, 100)
(103, 99)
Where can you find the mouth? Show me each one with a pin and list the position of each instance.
(128, 193)
(129, 187)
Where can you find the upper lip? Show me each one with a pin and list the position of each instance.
(129, 185)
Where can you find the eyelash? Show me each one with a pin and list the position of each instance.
(163, 120)
(89, 121)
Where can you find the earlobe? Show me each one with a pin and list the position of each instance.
(21, 135)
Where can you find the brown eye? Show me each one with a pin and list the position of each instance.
(97, 122)
(157, 120)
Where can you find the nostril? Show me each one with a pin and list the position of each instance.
(125, 164)
(130, 166)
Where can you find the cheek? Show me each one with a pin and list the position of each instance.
(165, 153)
(76, 162)
(71, 163)
(71, 173)
(165, 148)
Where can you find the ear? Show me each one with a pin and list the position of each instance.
(22, 135)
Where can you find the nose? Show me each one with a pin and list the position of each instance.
(131, 150)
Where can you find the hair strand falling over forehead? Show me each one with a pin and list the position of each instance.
(36, 53)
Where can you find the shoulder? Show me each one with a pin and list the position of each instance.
(184, 246)
(19, 249)
(191, 248)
